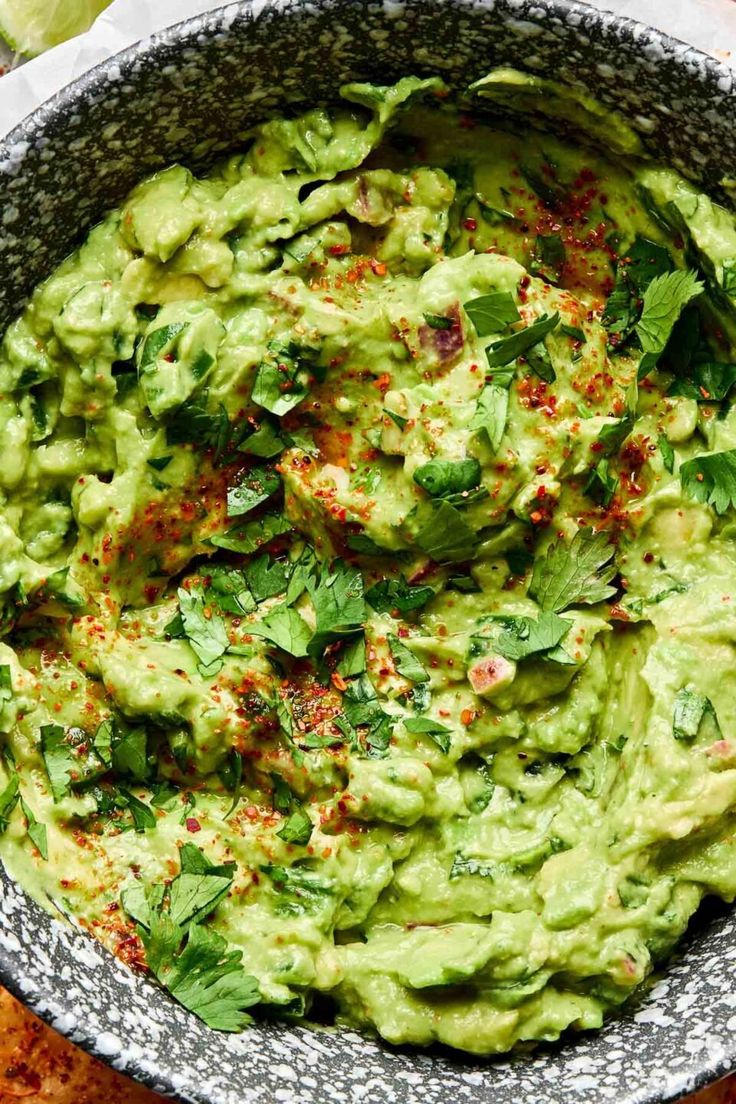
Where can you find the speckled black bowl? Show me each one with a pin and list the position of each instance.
(188, 94)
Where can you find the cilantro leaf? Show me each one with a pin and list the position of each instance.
(298, 889)
(69, 758)
(600, 484)
(425, 726)
(297, 829)
(509, 348)
(397, 594)
(550, 192)
(573, 332)
(576, 573)
(205, 976)
(352, 658)
(285, 628)
(709, 381)
(365, 546)
(192, 423)
(644, 260)
(266, 577)
(549, 258)
(667, 453)
(445, 535)
(129, 751)
(157, 341)
(193, 896)
(228, 591)
(253, 487)
(440, 478)
(711, 479)
(436, 322)
(339, 605)
(405, 662)
(491, 313)
(664, 300)
(36, 832)
(282, 381)
(8, 800)
(266, 441)
(206, 634)
(613, 435)
(6, 683)
(522, 636)
(491, 412)
(363, 709)
(250, 536)
(143, 817)
(692, 711)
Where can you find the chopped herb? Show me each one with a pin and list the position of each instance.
(600, 484)
(491, 412)
(550, 193)
(205, 630)
(575, 573)
(425, 726)
(613, 435)
(491, 313)
(667, 452)
(352, 657)
(523, 636)
(574, 332)
(252, 535)
(362, 710)
(253, 487)
(338, 603)
(691, 712)
(36, 832)
(266, 441)
(8, 800)
(285, 628)
(664, 300)
(266, 577)
(297, 829)
(397, 594)
(192, 423)
(509, 348)
(437, 322)
(228, 591)
(69, 758)
(711, 479)
(405, 662)
(709, 381)
(159, 462)
(445, 535)
(283, 380)
(548, 258)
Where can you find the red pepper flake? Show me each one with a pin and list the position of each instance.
(193, 825)
(470, 224)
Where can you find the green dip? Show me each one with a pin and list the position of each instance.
(368, 570)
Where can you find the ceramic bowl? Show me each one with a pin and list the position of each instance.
(188, 94)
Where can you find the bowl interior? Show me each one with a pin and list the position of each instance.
(189, 94)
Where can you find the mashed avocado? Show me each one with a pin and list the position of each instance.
(368, 570)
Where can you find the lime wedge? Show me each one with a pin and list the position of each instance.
(32, 26)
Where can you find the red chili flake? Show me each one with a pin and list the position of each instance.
(193, 825)
(470, 224)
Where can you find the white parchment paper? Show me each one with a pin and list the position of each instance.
(708, 24)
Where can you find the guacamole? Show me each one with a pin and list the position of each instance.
(368, 570)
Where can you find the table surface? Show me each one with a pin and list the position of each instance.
(40, 1067)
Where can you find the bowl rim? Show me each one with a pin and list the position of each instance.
(38, 994)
